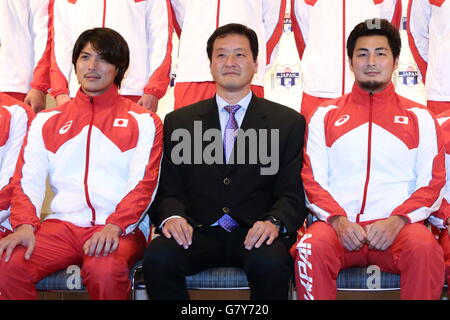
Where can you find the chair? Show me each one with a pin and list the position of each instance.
(69, 280)
(370, 279)
(223, 278)
(209, 279)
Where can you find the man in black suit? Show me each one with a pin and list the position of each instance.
(215, 209)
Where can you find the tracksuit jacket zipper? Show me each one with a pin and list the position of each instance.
(86, 170)
(369, 155)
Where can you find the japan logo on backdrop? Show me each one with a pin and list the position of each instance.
(287, 75)
(409, 77)
(287, 27)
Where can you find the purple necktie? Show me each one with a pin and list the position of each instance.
(230, 131)
(228, 223)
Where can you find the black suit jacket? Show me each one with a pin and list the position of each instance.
(202, 193)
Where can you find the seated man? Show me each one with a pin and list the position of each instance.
(101, 153)
(216, 207)
(15, 116)
(373, 172)
(441, 218)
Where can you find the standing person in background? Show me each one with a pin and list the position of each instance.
(429, 39)
(321, 28)
(25, 50)
(194, 21)
(145, 25)
(15, 117)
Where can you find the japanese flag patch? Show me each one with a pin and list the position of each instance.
(401, 119)
(120, 123)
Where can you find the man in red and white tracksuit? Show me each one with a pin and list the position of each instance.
(25, 50)
(194, 21)
(146, 26)
(101, 153)
(321, 28)
(441, 218)
(429, 39)
(15, 117)
(374, 170)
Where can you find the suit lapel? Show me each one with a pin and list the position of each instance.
(209, 115)
(255, 117)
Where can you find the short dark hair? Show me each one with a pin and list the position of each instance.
(109, 44)
(375, 27)
(234, 28)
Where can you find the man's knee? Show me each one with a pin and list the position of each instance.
(16, 272)
(162, 255)
(419, 242)
(267, 261)
(101, 269)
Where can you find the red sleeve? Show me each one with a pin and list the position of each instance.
(159, 81)
(41, 73)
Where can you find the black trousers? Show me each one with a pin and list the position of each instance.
(166, 263)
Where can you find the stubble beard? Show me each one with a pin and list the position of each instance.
(372, 85)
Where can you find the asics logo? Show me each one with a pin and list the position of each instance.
(65, 127)
(342, 120)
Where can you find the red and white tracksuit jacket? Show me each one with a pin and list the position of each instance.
(321, 29)
(102, 156)
(15, 118)
(24, 45)
(146, 25)
(195, 21)
(429, 39)
(439, 218)
(370, 156)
